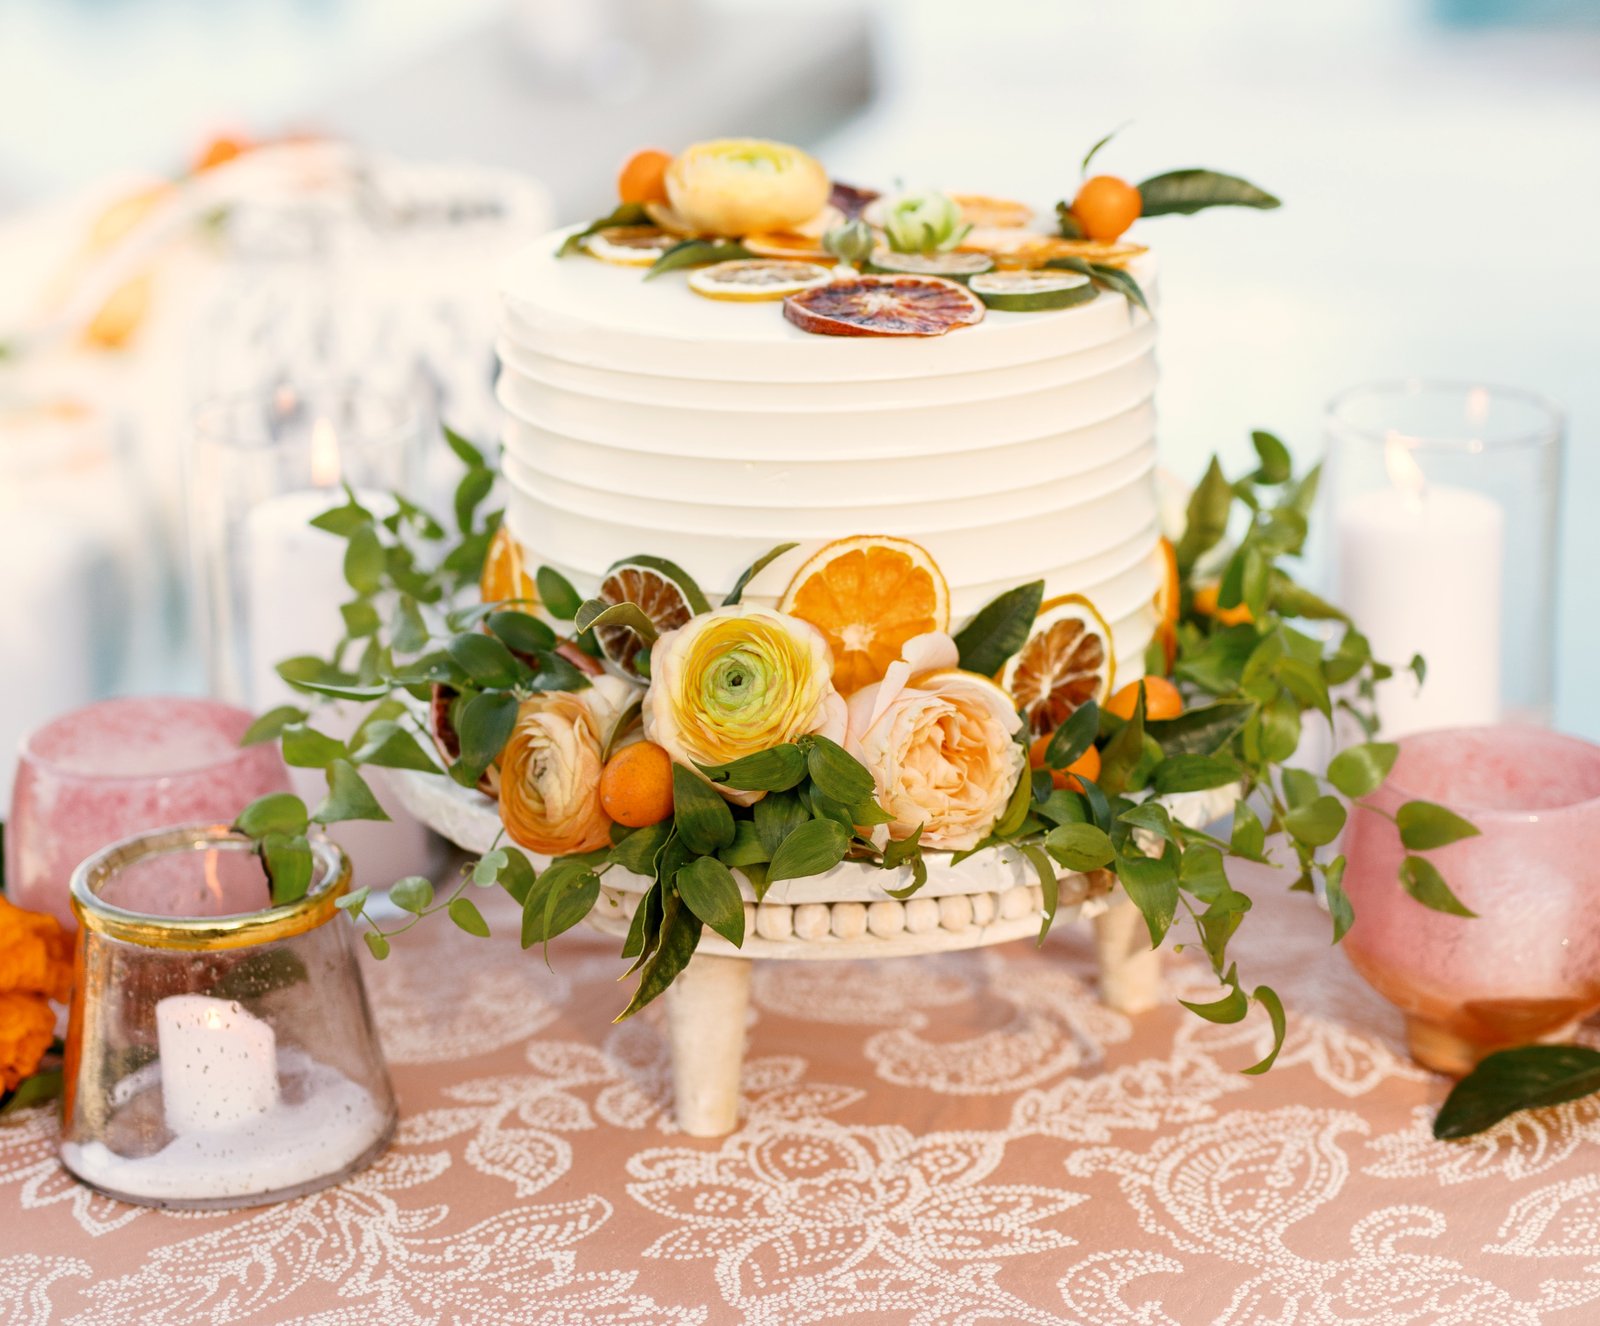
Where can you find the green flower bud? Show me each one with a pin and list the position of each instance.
(851, 242)
(923, 223)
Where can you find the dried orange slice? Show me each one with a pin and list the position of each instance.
(1066, 663)
(1091, 250)
(1004, 242)
(628, 246)
(785, 244)
(978, 209)
(664, 592)
(505, 577)
(757, 278)
(868, 594)
(885, 306)
(1167, 600)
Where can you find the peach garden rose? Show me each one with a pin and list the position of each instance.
(939, 743)
(550, 770)
(738, 680)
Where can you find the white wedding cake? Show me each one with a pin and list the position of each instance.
(641, 417)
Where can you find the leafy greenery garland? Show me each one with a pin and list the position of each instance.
(1252, 684)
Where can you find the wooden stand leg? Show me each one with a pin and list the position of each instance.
(1130, 970)
(705, 1025)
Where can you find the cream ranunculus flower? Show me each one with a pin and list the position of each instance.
(939, 742)
(550, 770)
(738, 680)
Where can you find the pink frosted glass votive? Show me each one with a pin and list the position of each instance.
(1528, 965)
(109, 770)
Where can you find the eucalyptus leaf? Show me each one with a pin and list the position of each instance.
(309, 673)
(1425, 826)
(710, 892)
(521, 632)
(1525, 1078)
(1360, 770)
(1422, 880)
(1184, 192)
(702, 817)
(813, 848)
(1000, 628)
(754, 569)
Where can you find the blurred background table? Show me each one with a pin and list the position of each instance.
(965, 1138)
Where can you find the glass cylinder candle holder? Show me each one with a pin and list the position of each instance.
(100, 773)
(1527, 965)
(216, 1061)
(1445, 505)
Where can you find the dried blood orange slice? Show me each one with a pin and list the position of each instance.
(628, 246)
(757, 278)
(665, 593)
(885, 306)
(868, 595)
(1066, 663)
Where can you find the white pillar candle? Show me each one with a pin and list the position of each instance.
(1420, 573)
(219, 1064)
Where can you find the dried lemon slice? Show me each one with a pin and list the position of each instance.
(749, 279)
(628, 246)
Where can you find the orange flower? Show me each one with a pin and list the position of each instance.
(550, 776)
(27, 1026)
(35, 954)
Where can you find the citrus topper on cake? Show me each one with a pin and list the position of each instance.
(761, 221)
(676, 672)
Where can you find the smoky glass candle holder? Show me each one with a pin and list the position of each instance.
(217, 1061)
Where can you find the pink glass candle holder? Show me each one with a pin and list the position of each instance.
(1527, 967)
(101, 773)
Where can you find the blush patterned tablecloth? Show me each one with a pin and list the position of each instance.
(964, 1140)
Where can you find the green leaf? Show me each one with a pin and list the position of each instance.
(1015, 814)
(1360, 770)
(1203, 874)
(702, 817)
(709, 891)
(1080, 847)
(1204, 730)
(1275, 464)
(1049, 884)
(754, 569)
(1068, 225)
(1300, 787)
(1209, 507)
(813, 848)
(483, 726)
(1422, 880)
(38, 1088)
(485, 660)
(1109, 278)
(464, 912)
(353, 901)
(306, 672)
(746, 849)
(1069, 741)
(1425, 826)
(412, 894)
(390, 745)
(487, 868)
(556, 674)
(1526, 1078)
(360, 619)
(1123, 754)
(556, 594)
(626, 214)
(1267, 997)
(306, 748)
(1231, 1008)
(377, 944)
(837, 773)
(364, 560)
(1094, 151)
(644, 929)
(277, 812)
(1249, 838)
(1339, 908)
(679, 936)
(1152, 884)
(639, 850)
(464, 450)
(696, 253)
(349, 797)
(1288, 599)
(408, 632)
(774, 770)
(1305, 681)
(1317, 823)
(597, 613)
(522, 633)
(563, 896)
(901, 850)
(288, 862)
(999, 629)
(271, 724)
(517, 876)
(1184, 192)
(777, 815)
(475, 485)
(1150, 816)
(1194, 773)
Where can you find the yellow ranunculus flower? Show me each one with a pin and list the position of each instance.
(736, 681)
(742, 186)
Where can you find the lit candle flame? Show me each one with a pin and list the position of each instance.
(1404, 472)
(213, 878)
(325, 469)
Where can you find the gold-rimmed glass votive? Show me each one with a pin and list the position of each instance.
(216, 1061)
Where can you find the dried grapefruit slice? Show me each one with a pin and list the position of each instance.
(664, 592)
(505, 577)
(885, 306)
(1066, 663)
(757, 278)
(628, 246)
(868, 594)
(978, 209)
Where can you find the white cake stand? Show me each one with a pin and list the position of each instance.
(991, 898)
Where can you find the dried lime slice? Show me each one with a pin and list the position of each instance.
(665, 592)
(1032, 292)
(951, 266)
